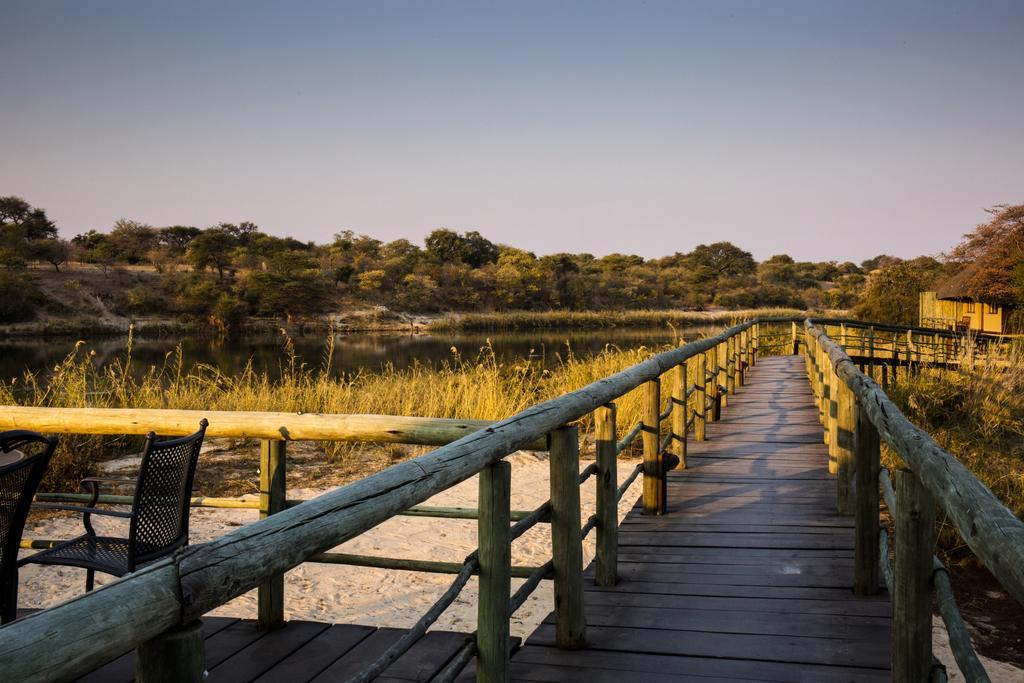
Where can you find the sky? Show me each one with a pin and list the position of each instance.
(820, 129)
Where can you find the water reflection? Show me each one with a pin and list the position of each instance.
(352, 352)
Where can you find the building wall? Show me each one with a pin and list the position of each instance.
(934, 312)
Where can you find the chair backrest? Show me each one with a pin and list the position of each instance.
(160, 511)
(18, 484)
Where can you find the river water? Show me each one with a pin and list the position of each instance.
(367, 352)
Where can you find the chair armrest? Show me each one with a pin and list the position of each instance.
(79, 508)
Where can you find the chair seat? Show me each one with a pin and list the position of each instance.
(102, 553)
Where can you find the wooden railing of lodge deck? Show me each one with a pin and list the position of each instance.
(157, 608)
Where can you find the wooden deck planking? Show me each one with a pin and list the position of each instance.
(236, 652)
(748, 575)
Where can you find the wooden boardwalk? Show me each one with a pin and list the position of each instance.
(748, 576)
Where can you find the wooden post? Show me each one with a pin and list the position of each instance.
(606, 572)
(173, 657)
(755, 343)
(730, 367)
(844, 445)
(741, 357)
(270, 594)
(651, 435)
(495, 554)
(866, 447)
(700, 420)
(739, 350)
(819, 356)
(911, 600)
(871, 351)
(566, 544)
(680, 411)
(796, 342)
(716, 400)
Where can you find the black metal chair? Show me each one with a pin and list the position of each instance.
(158, 520)
(18, 483)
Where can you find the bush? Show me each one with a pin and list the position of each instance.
(19, 297)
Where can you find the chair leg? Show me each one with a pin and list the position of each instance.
(90, 574)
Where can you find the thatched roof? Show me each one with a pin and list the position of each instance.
(956, 286)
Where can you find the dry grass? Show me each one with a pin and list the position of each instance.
(466, 387)
(977, 415)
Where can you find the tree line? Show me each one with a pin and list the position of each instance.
(226, 272)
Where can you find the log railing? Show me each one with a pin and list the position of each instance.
(165, 599)
(857, 415)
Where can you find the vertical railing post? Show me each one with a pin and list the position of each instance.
(716, 400)
(680, 411)
(866, 447)
(607, 559)
(566, 544)
(730, 367)
(844, 429)
(871, 351)
(651, 435)
(911, 599)
(755, 343)
(831, 413)
(700, 420)
(822, 388)
(495, 556)
(741, 358)
(270, 594)
(174, 656)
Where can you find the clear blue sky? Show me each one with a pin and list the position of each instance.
(821, 129)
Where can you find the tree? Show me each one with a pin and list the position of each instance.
(53, 251)
(712, 261)
(892, 292)
(211, 249)
(133, 240)
(473, 249)
(880, 261)
(177, 237)
(519, 279)
(995, 250)
(32, 223)
(291, 285)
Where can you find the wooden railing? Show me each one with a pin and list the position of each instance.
(856, 414)
(164, 600)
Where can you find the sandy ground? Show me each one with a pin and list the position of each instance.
(379, 597)
(340, 594)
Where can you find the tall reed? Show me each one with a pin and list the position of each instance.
(977, 414)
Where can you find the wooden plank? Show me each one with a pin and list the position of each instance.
(741, 621)
(420, 663)
(259, 657)
(804, 650)
(778, 607)
(625, 666)
(227, 642)
(123, 668)
(317, 654)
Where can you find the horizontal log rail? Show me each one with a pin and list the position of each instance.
(423, 431)
(857, 414)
